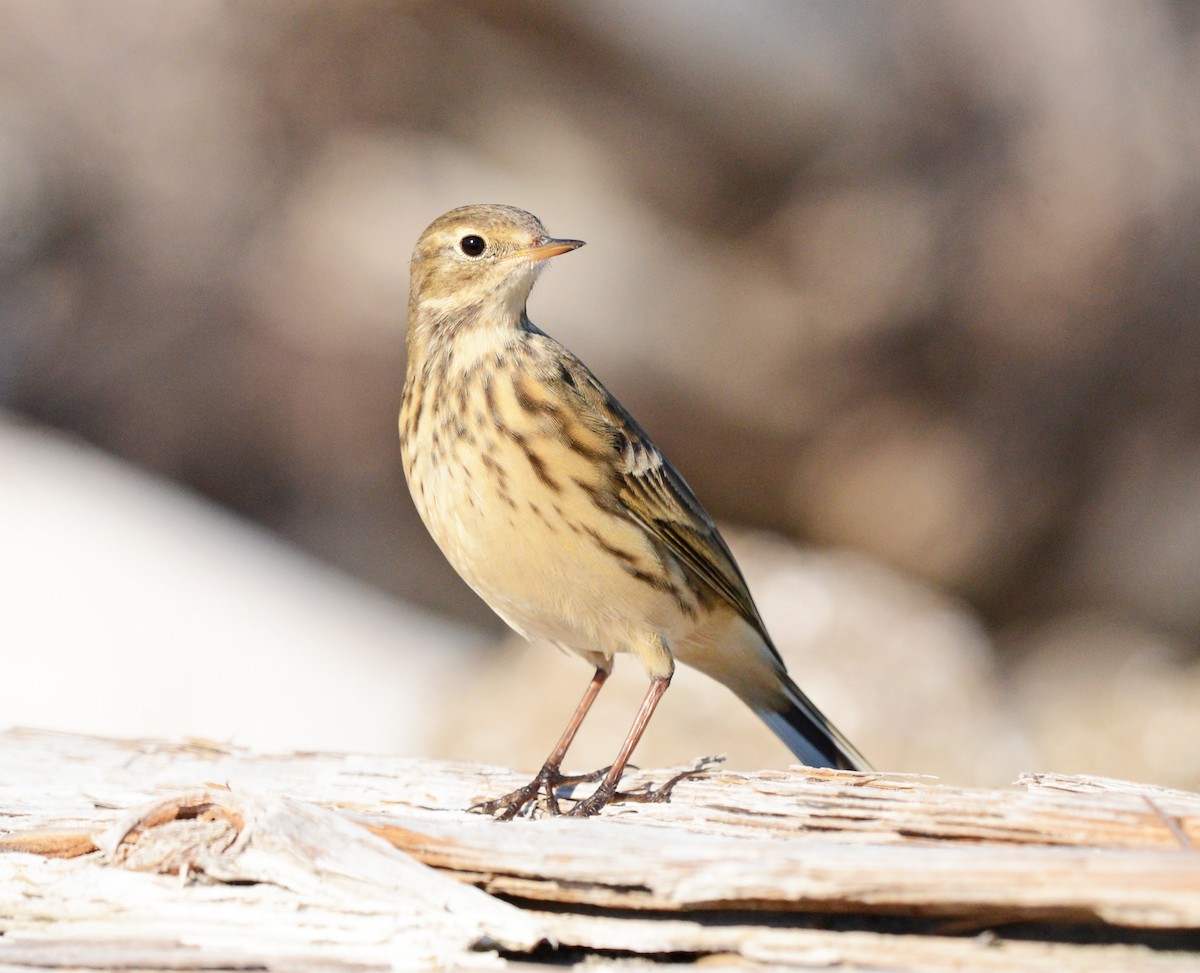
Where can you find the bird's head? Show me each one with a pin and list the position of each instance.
(480, 259)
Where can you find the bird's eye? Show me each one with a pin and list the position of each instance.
(472, 245)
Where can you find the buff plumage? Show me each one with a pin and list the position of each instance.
(558, 509)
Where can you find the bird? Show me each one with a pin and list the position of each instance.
(557, 508)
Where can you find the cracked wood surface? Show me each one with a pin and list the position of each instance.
(193, 855)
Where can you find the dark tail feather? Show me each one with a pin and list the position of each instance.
(807, 733)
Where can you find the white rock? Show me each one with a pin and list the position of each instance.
(134, 608)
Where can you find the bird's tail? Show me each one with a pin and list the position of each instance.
(740, 655)
(804, 729)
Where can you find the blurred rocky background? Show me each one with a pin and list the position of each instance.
(909, 292)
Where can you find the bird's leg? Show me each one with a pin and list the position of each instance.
(608, 786)
(548, 778)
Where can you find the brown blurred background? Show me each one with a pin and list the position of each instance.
(915, 287)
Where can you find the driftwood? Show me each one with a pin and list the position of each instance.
(149, 855)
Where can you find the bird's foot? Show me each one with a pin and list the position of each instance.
(595, 802)
(539, 793)
(646, 794)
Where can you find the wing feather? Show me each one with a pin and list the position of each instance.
(652, 493)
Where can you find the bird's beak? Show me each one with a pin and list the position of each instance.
(547, 248)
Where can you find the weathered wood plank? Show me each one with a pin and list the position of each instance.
(574, 862)
(274, 865)
(775, 945)
(227, 873)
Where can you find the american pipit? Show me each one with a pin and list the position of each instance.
(554, 505)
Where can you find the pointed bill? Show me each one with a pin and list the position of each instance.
(544, 250)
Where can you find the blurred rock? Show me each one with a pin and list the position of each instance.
(1102, 696)
(1138, 544)
(132, 608)
(914, 489)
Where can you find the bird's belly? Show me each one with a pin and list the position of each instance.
(549, 562)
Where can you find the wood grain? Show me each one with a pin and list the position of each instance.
(158, 855)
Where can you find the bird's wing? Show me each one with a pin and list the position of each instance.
(653, 494)
(659, 499)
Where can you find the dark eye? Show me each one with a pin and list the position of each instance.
(472, 245)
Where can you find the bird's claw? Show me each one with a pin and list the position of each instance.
(660, 794)
(530, 797)
(526, 799)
